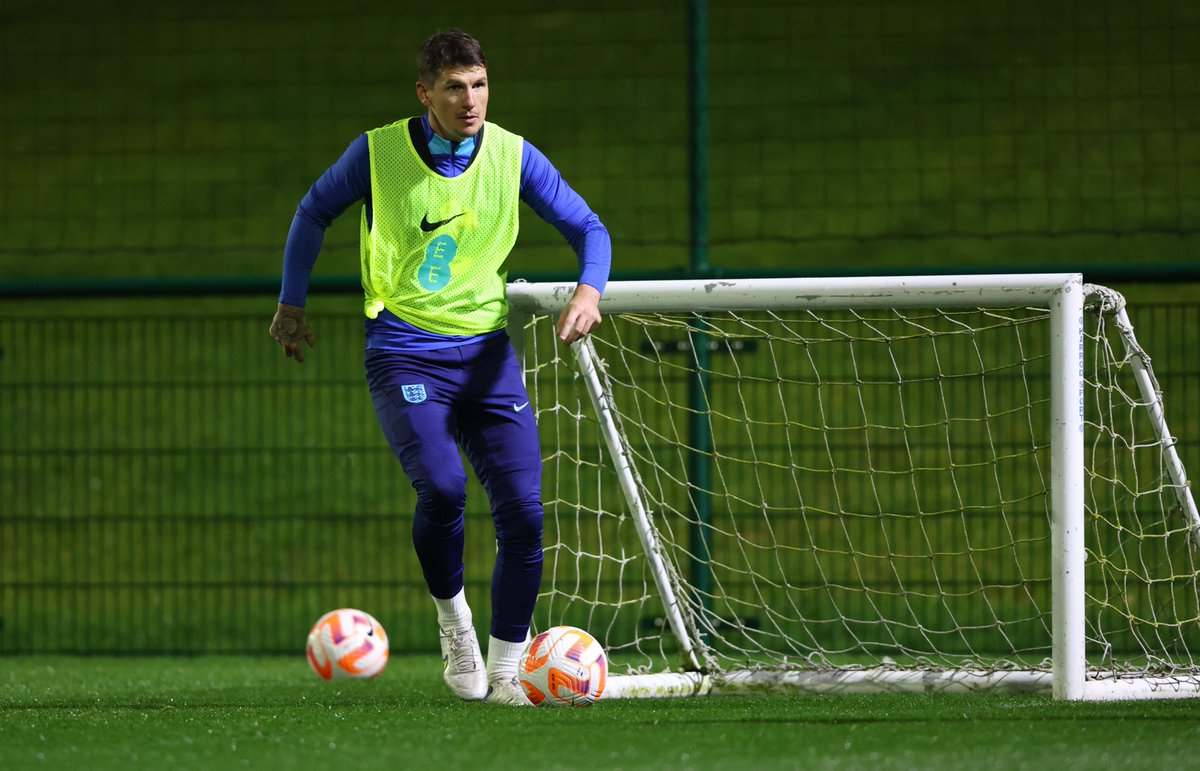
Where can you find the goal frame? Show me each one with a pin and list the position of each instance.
(1062, 294)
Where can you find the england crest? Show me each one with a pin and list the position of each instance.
(413, 393)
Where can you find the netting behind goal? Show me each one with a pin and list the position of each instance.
(870, 489)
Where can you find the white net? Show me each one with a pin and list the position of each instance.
(856, 489)
(1142, 574)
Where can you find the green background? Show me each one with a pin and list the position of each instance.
(150, 448)
(150, 139)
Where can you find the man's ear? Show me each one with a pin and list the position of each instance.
(423, 93)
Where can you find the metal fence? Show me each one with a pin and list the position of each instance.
(169, 483)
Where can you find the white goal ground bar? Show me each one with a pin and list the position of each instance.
(1109, 687)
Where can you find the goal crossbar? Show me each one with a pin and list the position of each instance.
(803, 293)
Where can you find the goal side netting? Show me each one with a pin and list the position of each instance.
(846, 485)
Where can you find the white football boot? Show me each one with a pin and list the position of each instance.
(510, 693)
(464, 664)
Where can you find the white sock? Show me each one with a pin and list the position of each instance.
(503, 659)
(453, 613)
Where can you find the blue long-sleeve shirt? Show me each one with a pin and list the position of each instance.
(349, 180)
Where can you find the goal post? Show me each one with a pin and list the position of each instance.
(948, 483)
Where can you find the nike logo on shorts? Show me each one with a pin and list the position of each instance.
(518, 409)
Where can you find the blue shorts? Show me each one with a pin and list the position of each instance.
(430, 404)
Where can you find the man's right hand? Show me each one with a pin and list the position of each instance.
(289, 327)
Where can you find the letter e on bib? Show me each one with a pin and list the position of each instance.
(434, 273)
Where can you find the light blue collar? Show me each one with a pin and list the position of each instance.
(440, 146)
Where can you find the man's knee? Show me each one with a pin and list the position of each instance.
(441, 497)
(519, 525)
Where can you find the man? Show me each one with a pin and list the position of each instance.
(440, 195)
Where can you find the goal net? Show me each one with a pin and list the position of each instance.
(927, 483)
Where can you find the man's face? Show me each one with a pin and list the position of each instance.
(457, 102)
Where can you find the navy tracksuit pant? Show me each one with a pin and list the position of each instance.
(431, 403)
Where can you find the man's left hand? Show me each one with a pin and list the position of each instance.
(581, 315)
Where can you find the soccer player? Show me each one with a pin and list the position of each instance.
(441, 194)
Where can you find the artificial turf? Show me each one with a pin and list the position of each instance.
(272, 712)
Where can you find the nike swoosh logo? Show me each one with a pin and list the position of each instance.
(518, 409)
(429, 227)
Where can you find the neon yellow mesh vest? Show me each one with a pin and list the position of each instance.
(435, 253)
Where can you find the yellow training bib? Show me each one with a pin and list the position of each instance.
(435, 253)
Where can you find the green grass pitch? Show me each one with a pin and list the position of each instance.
(271, 712)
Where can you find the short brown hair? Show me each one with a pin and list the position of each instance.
(452, 49)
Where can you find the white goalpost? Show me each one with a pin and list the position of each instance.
(936, 483)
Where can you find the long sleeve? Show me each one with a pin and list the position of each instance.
(348, 180)
(549, 195)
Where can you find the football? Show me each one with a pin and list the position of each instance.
(564, 666)
(347, 644)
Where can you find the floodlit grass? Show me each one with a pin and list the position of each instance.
(218, 712)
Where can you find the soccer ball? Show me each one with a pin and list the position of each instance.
(564, 667)
(347, 644)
